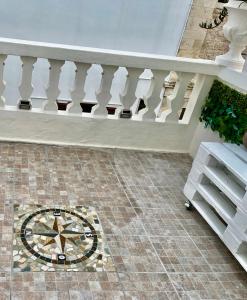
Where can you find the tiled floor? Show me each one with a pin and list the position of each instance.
(160, 250)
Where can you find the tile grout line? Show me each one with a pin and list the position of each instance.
(202, 236)
(115, 213)
(165, 271)
(124, 187)
(121, 181)
(149, 239)
(212, 271)
(188, 236)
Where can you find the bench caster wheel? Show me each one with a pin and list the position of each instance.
(188, 205)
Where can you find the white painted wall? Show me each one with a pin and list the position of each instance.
(131, 25)
(203, 134)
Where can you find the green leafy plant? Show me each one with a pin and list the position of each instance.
(225, 111)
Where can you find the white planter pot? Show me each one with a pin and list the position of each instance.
(235, 30)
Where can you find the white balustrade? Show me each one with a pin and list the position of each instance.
(2, 82)
(26, 87)
(110, 61)
(53, 90)
(78, 93)
(103, 95)
(97, 127)
(173, 135)
(176, 100)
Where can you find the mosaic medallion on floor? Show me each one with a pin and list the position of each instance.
(59, 239)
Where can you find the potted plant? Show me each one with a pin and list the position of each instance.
(225, 112)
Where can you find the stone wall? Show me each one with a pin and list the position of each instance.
(198, 42)
(214, 43)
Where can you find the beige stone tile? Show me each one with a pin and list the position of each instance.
(160, 250)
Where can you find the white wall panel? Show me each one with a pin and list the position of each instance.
(131, 25)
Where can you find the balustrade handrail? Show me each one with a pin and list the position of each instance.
(201, 71)
(108, 57)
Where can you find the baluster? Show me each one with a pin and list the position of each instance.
(103, 95)
(78, 92)
(176, 100)
(53, 91)
(153, 98)
(26, 87)
(128, 97)
(200, 91)
(2, 82)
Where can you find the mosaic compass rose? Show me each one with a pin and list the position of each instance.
(59, 236)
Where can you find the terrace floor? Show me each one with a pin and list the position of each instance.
(159, 250)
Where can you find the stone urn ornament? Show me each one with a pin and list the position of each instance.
(235, 30)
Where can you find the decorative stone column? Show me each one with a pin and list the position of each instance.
(235, 30)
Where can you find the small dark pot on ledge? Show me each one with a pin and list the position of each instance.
(245, 139)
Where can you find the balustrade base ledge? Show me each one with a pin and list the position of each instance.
(24, 126)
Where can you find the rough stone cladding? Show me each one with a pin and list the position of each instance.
(214, 43)
(198, 42)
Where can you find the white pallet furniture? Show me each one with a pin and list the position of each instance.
(217, 188)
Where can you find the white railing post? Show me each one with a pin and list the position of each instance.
(2, 82)
(53, 91)
(153, 97)
(78, 93)
(103, 95)
(26, 87)
(199, 93)
(176, 100)
(128, 97)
